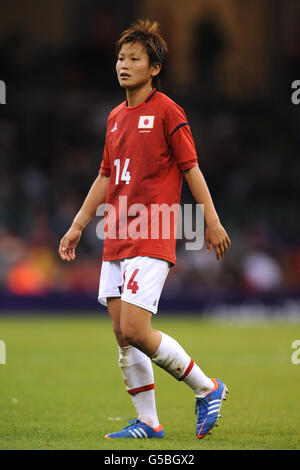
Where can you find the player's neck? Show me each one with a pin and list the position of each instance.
(138, 96)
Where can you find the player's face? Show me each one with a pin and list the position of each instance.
(133, 67)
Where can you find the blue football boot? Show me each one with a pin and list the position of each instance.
(208, 408)
(137, 430)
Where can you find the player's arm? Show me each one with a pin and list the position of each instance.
(96, 196)
(215, 234)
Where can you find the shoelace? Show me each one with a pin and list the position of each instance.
(197, 406)
(132, 423)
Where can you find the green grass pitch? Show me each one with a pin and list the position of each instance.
(61, 387)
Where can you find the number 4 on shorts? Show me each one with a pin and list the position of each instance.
(132, 284)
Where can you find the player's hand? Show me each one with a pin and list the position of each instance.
(69, 242)
(216, 238)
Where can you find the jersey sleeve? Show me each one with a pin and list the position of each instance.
(105, 169)
(179, 137)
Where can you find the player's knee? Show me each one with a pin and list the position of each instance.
(131, 335)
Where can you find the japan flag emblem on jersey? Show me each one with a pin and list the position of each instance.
(146, 122)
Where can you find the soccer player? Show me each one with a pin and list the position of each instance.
(148, 150)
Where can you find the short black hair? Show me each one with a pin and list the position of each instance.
(147, 33)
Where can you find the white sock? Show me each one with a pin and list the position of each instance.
(137, 373)
(171, 357)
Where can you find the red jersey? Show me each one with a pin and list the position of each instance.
(146, 151)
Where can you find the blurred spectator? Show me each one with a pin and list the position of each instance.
(260, 272)
(209, 45)
(33, 275)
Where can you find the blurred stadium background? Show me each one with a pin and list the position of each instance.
(231, 67)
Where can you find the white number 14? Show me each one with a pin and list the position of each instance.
(125, 174)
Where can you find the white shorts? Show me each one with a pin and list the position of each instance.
(138, 280)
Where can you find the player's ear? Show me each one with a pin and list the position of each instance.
(156, 68)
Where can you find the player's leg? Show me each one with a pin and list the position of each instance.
(209, 393)
(163, 350)
(136, 367)
(143, 281)
(137, 370)
(167, 353)
(135, 325)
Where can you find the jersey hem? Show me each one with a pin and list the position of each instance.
(102, 298)
(151, 255)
